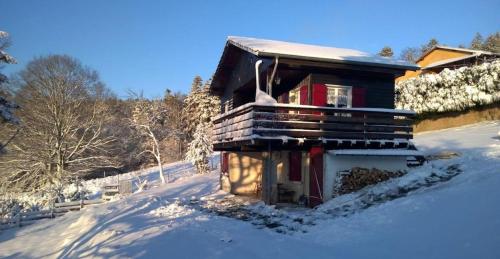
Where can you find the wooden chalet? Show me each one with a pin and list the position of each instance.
(295, 115)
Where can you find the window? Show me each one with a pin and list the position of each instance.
(294, 96)
(339, 96)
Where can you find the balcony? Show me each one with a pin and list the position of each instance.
(286, 126)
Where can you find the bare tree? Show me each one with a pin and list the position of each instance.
(492, 43)
(149, 119)
(410, 54)
(63, 129)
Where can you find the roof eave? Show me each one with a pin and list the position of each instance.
(272, 54)
(339, 61)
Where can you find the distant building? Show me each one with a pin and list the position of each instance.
(440, 57)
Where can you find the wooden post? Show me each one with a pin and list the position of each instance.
(267, 177)
(18, 219)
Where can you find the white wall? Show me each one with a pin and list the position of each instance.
(334, 164)
(281, 166)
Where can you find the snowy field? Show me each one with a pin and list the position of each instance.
(458, 217)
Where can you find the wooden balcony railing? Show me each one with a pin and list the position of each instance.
(253, 121)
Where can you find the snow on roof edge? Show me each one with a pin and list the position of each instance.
(473, 51)
(450, 60)
(272, 48)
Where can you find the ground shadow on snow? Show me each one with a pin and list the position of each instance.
(281, 222)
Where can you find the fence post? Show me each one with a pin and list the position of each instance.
(18, 219)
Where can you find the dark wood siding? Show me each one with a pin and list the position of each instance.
(379, 88)
(295, 168)
(240, 86)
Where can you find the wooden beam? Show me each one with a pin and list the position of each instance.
(298, 63)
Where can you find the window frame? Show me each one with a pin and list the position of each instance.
(296, 96)
(349, 94)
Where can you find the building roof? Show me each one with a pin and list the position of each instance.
(448, 61)
(475, 54)
(273, 48)
(470, 51)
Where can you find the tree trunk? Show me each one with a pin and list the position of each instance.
(158, 154)
(160, 167)
(158, 159)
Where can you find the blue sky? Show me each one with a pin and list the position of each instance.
(154, 45)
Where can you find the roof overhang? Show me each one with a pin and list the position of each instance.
(462, 50)
(375, 152)
(268, 50)
(315, 53)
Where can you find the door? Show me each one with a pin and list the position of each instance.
(315, 176)
(295, 168)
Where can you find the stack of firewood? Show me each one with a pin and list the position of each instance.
(358, 178)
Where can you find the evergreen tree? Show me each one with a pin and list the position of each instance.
(200, 148)
(200, 107)
(477, 42)
(191, 104)
(386, 51)
(6, 106)
(209, 105)
(492, 43)
(432, 43)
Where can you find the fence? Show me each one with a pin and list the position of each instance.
(59, 209)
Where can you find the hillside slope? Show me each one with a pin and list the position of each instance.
(459, 218)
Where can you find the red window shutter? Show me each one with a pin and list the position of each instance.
(358, 97)
(295, 169)
(225, 162)
(304, 95)
(319, 95)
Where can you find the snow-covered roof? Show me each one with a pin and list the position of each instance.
(471, 51)
(452, 60)
(447, 61)
(272, 48)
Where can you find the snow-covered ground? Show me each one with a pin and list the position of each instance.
(456, 218)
